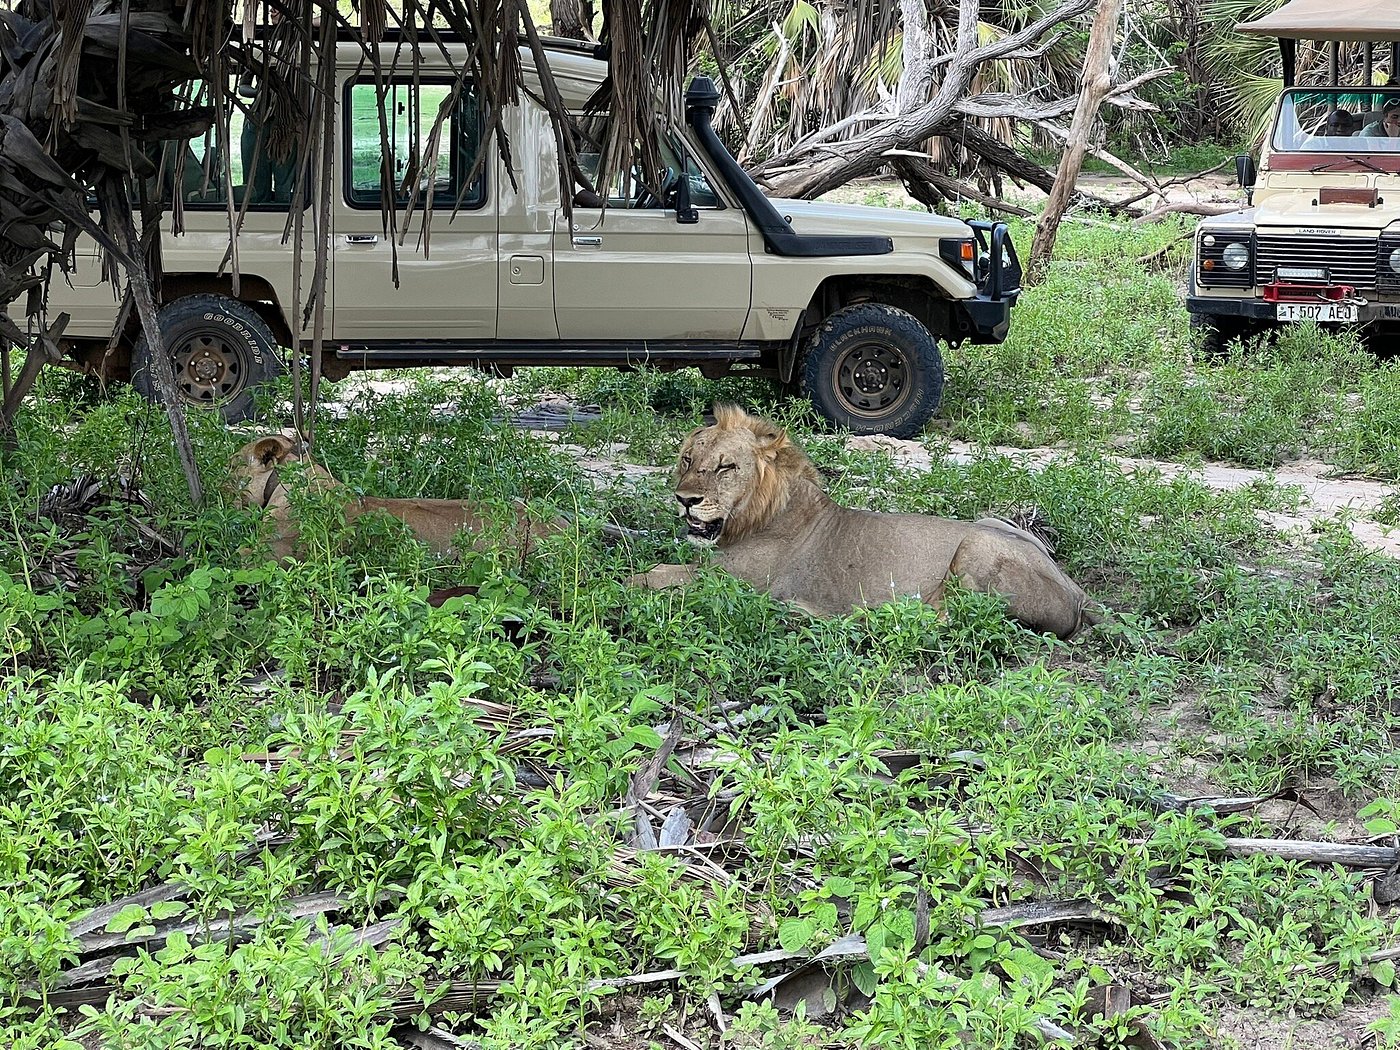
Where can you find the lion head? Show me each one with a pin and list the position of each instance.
(732, 477)
(256, 468)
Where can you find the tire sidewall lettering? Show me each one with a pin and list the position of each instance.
(246, 335)
(900, 333)
(243, 334)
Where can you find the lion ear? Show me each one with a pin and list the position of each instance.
(771, 439)
(270, 451)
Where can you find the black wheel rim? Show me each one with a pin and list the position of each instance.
(208, 369)
(872, 379)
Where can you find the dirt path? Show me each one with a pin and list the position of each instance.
(1218, 188)
(1352, 501)
(1320, 497)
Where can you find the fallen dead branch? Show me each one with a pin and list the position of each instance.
(809, 170)
(1186, 208)
(1155, 260)
(1044, 913)
(1221, 805)
(1348, 856)
(1180, 180)
(931, 187)
(434, 1038)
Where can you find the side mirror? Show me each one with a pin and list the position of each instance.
(1245, 171)
(686, 215)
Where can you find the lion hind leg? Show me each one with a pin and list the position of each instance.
(1037, 593)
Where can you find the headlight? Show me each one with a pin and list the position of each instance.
(1235, 256)
(1395, 260)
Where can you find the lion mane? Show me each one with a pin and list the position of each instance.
(778, 465)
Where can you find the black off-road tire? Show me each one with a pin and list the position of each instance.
(221, 349)
(874, 369)
(1215, 335)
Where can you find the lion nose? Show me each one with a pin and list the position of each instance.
(689, 501)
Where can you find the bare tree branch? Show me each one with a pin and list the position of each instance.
(809, 176)
(1096, 84)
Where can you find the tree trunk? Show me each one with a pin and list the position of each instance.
(115, 201)
(916, 82)
(566, 19)
(1096, 83)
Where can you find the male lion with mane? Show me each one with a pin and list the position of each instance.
(745, 489)
(259, 482)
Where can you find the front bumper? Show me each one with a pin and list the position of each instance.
(1260, 310)
(1247, 309)
(986, 317)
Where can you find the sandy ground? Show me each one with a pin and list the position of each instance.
(1321, 496)
(1322, 493)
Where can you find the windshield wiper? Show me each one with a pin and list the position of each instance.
(1326, 164)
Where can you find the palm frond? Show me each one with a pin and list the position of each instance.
(801, 19)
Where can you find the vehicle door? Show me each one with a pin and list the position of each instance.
(446, 287)
(631, 271)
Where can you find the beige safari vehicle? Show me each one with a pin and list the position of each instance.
(849, 303)
(1320, 240)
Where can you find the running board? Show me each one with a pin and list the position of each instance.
(556, 352)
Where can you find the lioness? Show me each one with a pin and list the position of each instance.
(747, 490)
(257, 473)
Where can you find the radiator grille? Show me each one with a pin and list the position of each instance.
(1348, 260)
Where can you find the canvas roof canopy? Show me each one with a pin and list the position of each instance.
(1362, 20)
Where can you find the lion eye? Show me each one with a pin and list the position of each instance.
(685, 462)
(725, 466)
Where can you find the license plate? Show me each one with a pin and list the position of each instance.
(1324, 313)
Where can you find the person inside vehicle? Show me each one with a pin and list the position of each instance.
(268, 140)
(1340, 122)
(1388, 126)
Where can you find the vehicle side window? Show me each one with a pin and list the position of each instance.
(261, 167)
(702, 194)
(411, 113)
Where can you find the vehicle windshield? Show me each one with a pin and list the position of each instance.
(1338, 120)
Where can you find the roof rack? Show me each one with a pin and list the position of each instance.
(394, 35)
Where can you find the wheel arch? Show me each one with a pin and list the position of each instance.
(916, 294)
(874, 368)
(257, 293)
(253, 291)
(230, 351)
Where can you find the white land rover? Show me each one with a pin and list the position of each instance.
(849, 303)
(1320, 240)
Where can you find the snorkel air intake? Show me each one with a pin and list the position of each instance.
(701, 100)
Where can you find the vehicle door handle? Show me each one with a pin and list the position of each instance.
(588, 242)
(361, 238)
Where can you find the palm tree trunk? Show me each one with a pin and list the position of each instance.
(1096, 84)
